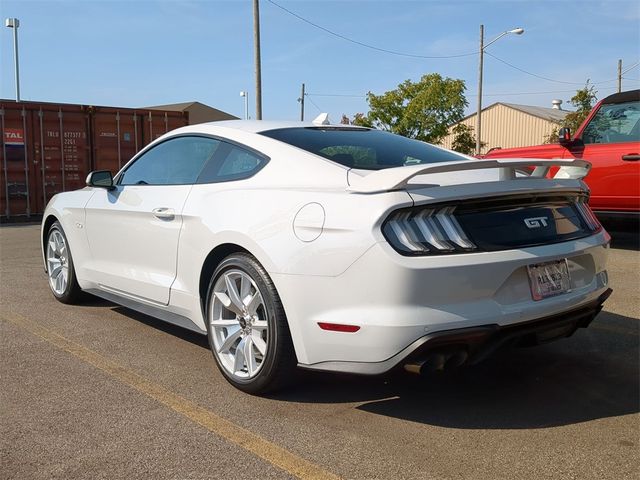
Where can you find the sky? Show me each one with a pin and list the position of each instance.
(135, 53)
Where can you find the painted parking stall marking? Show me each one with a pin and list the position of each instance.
(262, 448)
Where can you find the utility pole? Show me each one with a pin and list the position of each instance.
(301, 100)
(256, 47)
(479, 111)
(619, 75)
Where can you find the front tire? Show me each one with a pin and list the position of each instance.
(60, 269)
(247, 327)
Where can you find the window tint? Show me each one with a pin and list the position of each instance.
(615, 123)
(178, 161)
(231, 163)
(362, 148)
(350, 155)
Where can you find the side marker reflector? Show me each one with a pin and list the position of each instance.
(338, 327)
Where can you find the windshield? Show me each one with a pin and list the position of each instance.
(362, 148)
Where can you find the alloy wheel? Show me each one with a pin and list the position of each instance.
(238, 319)
(57, 262)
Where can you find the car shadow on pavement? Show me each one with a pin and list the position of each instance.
(625, 237)
(590, 376)
(594, 374)
(182, 333)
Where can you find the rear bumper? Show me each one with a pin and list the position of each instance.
(397, 300)
(477, 343)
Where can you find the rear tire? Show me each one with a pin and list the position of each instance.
(60, 269)
(247, 327)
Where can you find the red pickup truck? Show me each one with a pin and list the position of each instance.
(609, 138)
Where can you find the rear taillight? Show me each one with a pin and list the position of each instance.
(492, 224)
(426, 231)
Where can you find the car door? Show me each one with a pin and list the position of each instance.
(611, 142)
(133, 230)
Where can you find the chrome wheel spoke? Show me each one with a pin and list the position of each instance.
(233, 294)
(58, 241)
(230, 341)
(249, 356)
(224, 323)
(256, 339)
(260, 324)
(57, 270)
(253, 303)
(59, 282)
(245, 289)
(228, 304)
(238, 364)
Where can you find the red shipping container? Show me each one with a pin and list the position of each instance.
(49, 148)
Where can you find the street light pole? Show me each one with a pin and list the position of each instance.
(256, 41)
(15, 23)
(479, 111)
(246, 104)
(516, 31)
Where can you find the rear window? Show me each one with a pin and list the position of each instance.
(362, 148)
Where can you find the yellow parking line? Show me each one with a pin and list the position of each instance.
(272, 453)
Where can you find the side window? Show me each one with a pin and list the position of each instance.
(231, 163)
(614, 123)
(177, 161)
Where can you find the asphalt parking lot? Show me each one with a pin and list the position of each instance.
(99, 391)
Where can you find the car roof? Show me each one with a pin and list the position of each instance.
(257, 126)
(623, 97)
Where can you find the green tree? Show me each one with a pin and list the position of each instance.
(423, 110)
(583, 101)
(464, 141)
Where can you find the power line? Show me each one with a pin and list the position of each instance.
(314, 103)
(630, 68)
(348, 95)
(336, 95)
(412, 55)
(547, 78)
(366, 45)
(538, 93)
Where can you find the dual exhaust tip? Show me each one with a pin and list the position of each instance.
(438, 362)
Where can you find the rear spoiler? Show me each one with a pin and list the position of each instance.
(397, 178)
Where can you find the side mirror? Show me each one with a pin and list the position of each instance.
(101, 179)
(564, 136)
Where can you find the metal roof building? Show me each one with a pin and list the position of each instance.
(508, 125)
(198, 112)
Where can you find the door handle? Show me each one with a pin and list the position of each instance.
(164, 213)
(632, 157)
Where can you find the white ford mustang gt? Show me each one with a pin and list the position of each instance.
(333, 248)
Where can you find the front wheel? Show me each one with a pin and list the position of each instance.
(248, 331)
(60, 270)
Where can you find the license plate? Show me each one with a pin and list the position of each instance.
(549, 279)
